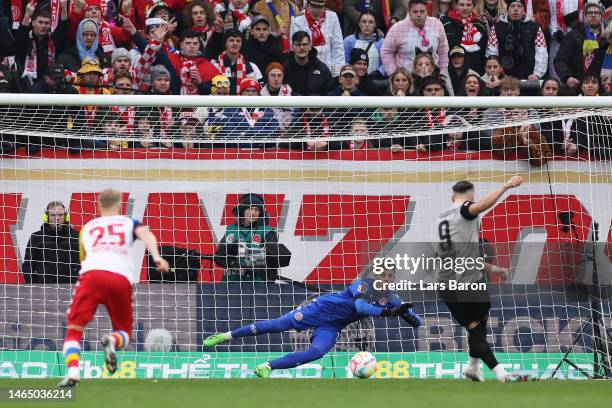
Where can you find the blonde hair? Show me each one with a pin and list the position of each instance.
(480, 8)
(109, 198)
(400, 70)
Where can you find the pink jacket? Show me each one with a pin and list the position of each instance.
(398, 49)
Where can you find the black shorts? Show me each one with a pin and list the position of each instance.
(467, 307)
(468, 312)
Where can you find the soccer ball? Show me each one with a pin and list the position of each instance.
(363, 364)
(159, 340)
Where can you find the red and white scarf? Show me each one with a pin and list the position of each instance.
(470, 35)
(31, 64)
(127, 116)
(89, 110)
(165, 121)
(188, 87)
(106, 38)
(438, 120)
(227, 69)
(251, 117)
(324, 126)
(315, 28)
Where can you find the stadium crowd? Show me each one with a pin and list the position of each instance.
(310, 47)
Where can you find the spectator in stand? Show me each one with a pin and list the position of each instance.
(160, 119)
(190, 129)
(386, 123)
(305, 73)
(316, 125)
(431, 118)
(473, 86)
(237, 16)
(490, 11)
(606, 65)
(275, 86)
(558, 133)
(200, 16)
(191, 73)
(127, 114)
(279, 13)
(53, 82)
(520, 139)
(248, 124)
(424, 67)
(161, 10)
(369, 38)
(220, 85)
(459, 68)
(53, 118)
(37, 47)
(464, 28)
(323, 28)
(590, 85)
(359, 60)
(564, 14)
(262, 48)
(109, 36)
(88, 82)
(400, 83)
(384, 14)
(232, 64)
(140, 9)
(52, 254)
(439, 8)
(520, 44)
(86, 47)
(494, 73)
(12, 77)
(415, 34)
(348, 83)
(582, 49)
(592, 132)
(360, 132)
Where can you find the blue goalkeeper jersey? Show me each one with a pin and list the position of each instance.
(338, 309)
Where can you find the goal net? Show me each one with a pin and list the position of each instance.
(342, 182)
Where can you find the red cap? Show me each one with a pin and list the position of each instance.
(248, 83)
(95, 3)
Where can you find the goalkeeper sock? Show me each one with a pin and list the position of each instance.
(121, 339)
(72, 355)
(227, 335)
(265, 326)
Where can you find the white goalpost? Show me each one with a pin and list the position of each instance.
(343, 180)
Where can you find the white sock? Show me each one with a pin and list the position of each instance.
(499, 371)
(73, 372)
(228, 335)
(474, 363)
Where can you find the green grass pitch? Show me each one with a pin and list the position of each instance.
(292, 393)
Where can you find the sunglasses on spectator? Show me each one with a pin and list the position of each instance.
(221, 83)
(424, 40)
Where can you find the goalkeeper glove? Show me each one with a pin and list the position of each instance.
(398, 310)
(413, 319)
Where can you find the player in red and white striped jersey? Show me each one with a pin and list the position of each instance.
(106, 278)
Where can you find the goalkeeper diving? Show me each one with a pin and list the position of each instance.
(327, 316)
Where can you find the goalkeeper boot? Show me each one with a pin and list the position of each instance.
(71, 379)
(110, 356)
(214, 340)
(263, 370)
(474, 374)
